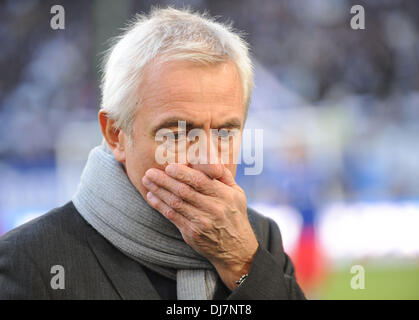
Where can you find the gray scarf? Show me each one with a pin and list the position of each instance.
(112, 205)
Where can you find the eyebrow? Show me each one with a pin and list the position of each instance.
(171, 123)
(233, 123)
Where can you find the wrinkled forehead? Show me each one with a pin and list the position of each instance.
(193, 92)
(192, 82)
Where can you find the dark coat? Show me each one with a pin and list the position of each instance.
(95, 269)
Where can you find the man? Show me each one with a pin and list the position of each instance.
(141, 229)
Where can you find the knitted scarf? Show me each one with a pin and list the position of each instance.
(109, 202)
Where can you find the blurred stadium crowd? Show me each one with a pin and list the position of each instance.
(339, 107)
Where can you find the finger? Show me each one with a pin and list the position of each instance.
(217, 171)
(173, 201)
(194, 178)
(227, 177)
(176, 218)
(214, 171)
(180, 189)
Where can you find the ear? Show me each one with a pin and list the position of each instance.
(115, 137)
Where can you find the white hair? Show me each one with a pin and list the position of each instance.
(167, 34)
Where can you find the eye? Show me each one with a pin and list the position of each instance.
(179, 135)
(223, 133)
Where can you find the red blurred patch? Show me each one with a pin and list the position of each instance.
(309, 260)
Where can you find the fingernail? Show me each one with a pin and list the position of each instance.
(150, 173)
(169, 169)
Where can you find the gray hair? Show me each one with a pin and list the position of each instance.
(167, 34)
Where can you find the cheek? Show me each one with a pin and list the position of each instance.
(141, 153)
(139, 158)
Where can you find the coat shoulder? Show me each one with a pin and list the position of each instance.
(266, 230)
(59, 238)
(60, 223)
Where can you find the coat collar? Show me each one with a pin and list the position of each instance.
(126, 275)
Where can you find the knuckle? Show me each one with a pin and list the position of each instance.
(170, 213)
(196, 235)
(181, 177)
(193, 198)
(229, 210)
(198, 180)
(175, 202)
(196, 232)
(205, 224)
(213, 207)
(213, 192)
(184, 191)
(179, 174)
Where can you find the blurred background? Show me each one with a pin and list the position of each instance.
(339, 109)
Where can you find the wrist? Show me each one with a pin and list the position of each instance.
(231, 272)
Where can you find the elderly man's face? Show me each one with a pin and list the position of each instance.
(206, 97)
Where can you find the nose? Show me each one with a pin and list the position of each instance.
(210, 161)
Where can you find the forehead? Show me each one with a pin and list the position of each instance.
(206, 93)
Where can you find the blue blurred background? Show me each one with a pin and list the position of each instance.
(339, 109)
